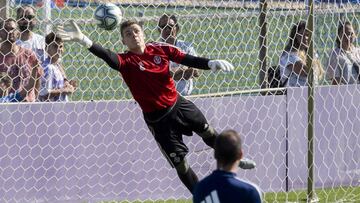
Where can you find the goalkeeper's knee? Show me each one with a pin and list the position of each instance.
(182, 167)
(209, 135)
(208, 132)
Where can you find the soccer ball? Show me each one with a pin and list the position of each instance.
(108, 16)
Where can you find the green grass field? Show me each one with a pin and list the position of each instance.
(343, 194)
(230, 34)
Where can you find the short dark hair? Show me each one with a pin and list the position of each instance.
(3, 22)
(128, 23)
(52, 37)
(228, 147)
(172, 17)
(340, 32)
(23, 8)
(293, 42)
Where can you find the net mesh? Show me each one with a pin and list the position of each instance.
(97, 147)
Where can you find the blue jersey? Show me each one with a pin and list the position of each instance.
(225, 187)
(53, 79)
(12, 97)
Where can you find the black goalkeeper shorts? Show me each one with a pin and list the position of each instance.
(169, 125)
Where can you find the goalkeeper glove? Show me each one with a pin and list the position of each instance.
(73, 34)
(215, 65)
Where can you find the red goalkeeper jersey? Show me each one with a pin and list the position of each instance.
(148, 76)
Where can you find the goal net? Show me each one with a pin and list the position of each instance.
(97, 148)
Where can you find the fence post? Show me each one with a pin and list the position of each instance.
(262, 44)
(311, 196)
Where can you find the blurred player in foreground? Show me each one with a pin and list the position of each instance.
(222, 186)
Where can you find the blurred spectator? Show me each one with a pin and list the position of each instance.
(54, 85)
(344, 61)
(18, 95)
(15, 61)
(26, 19)
(293, 69)
(223, 185)
(183, 76)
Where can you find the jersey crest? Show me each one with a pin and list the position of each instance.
(157, 60)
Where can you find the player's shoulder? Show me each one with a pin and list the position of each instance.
(160, 44)
(204, 185)
(247, 186)
(124, 53)
(37, 41)
(156, 43)
(38, 37)
(49, 67)
(214, 177)
(183, 44)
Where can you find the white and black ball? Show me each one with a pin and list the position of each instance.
(108, 16)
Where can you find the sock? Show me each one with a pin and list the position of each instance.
(189, 179)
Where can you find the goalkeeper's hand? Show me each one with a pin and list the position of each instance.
(215, 65)
(73, 33)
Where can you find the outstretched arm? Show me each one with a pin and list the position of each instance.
(74, 34)
(185, 73)
(206, 64)
(195, 62)
(108, 56)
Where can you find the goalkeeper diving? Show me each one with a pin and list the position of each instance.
(145, 70)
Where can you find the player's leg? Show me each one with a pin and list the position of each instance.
(173, 148)
(187, 175)
(191, 117)
(208, 134)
